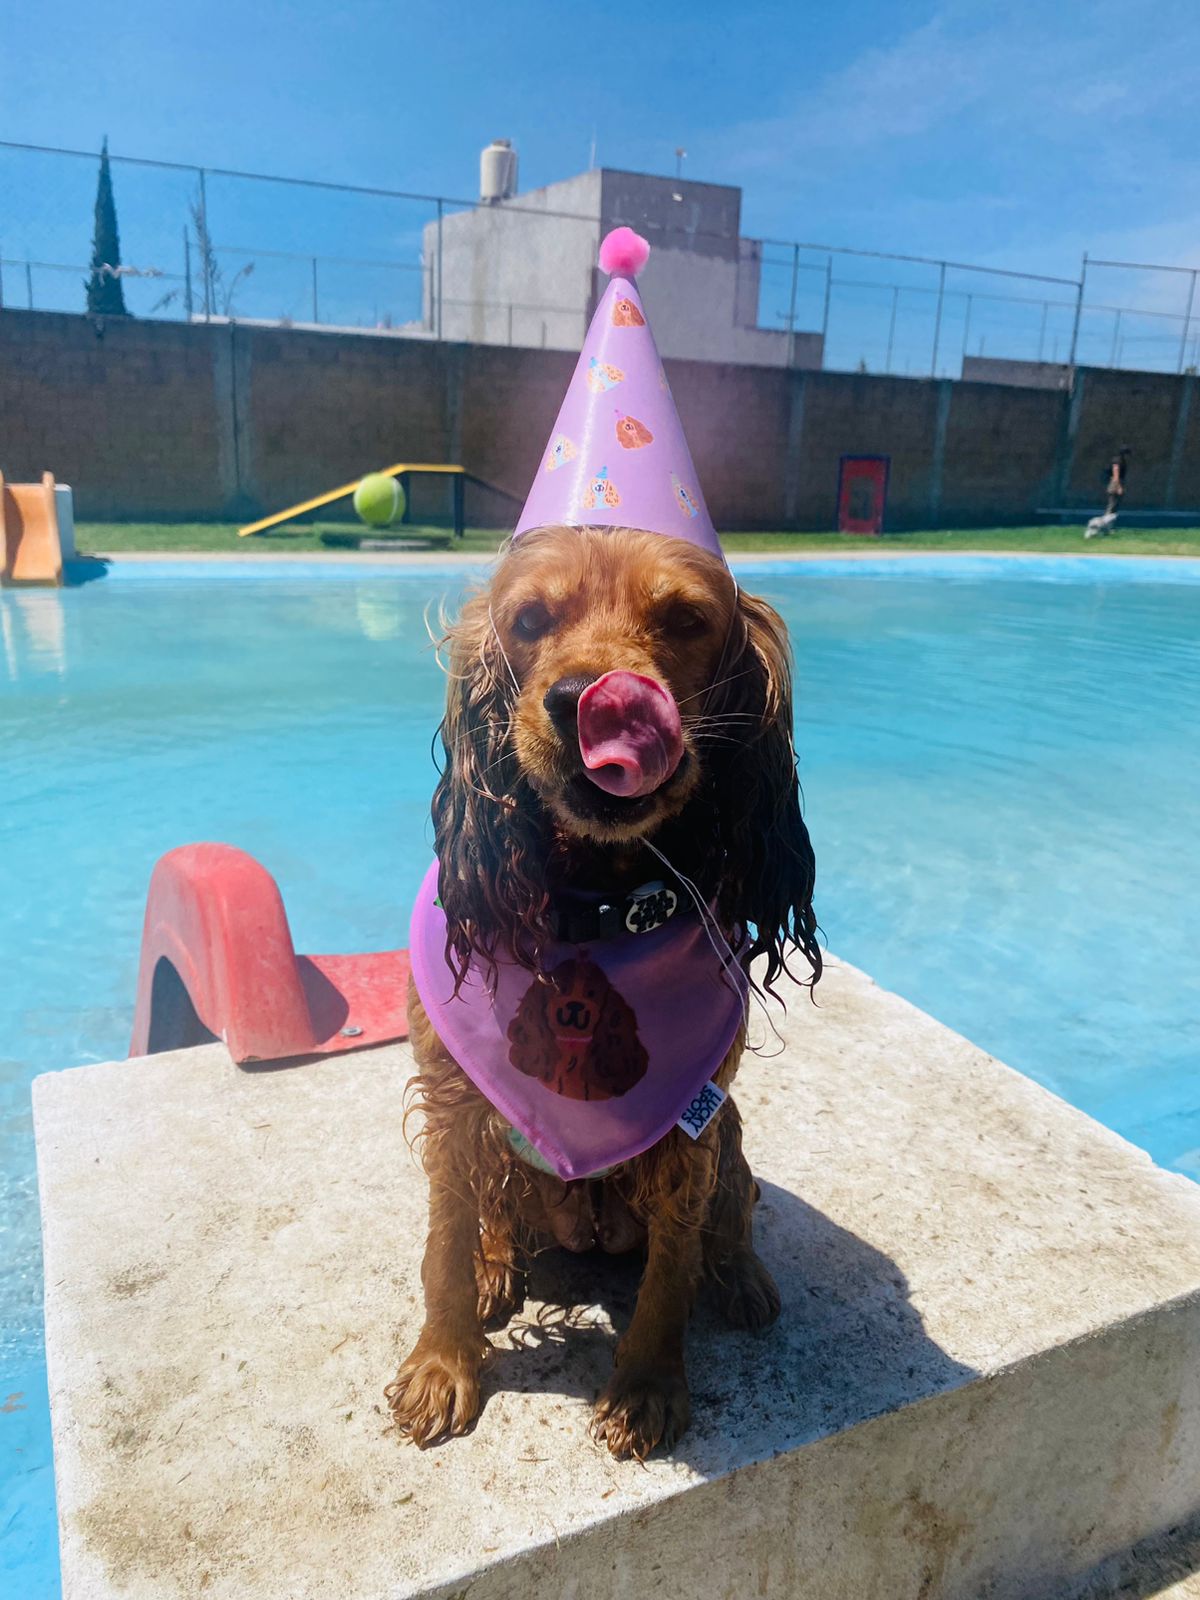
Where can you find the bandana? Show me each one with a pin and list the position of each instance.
(597, 1056)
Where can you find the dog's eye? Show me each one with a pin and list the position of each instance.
(532, 621)
(686, 621)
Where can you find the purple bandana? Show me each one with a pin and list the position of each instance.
(596, 1065)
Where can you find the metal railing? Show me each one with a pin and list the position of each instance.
(427, 273)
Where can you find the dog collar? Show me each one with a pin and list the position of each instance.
(585, 918)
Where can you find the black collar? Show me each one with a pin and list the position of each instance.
(586, 917)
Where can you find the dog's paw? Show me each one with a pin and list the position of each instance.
(501, 1290)
(435, 1394)
(746, 1292)
(641, 1409)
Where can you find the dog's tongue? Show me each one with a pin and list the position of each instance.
(630, 735)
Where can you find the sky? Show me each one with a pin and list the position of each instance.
(1015, 135)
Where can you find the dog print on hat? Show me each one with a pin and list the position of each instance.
(601, 492)
(602, 375)
(632, 434)
(561, 451)
(683, 499)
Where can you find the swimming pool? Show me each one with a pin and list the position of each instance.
(1002, 777)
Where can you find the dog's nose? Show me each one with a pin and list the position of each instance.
(561, 699)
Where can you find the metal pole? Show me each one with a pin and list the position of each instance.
(792, 307)
(316, 307)
(440, 295)
(892, 326)
(510, 322)
(1042, 335)
(187, 275)
(967, 326)
(1187, 319)
(206, 261)
(1078, 314)
(937, 321)
(1112, 360)
(825, 313)
(29, 283)
(1, 285)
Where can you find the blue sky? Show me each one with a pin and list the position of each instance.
(1013, 135)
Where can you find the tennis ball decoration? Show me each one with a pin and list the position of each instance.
(379, 500)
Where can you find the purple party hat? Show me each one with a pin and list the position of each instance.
(617, 457)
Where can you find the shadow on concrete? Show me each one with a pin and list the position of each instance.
(849, 1344)
(1144, 1569)
(84, 569)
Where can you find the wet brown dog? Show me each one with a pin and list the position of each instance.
(516, 818)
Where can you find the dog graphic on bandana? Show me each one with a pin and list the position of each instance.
(577, 1035)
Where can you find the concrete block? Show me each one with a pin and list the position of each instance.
(984, 1382)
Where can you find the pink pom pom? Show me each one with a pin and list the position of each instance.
(623, 253)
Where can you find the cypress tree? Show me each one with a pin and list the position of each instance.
(105, 293)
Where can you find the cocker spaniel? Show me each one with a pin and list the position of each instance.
(618, 711)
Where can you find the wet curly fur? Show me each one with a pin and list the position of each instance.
(514, 818)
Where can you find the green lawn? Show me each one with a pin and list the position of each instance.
(103, 538)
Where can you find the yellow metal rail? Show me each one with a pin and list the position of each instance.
(342, 493)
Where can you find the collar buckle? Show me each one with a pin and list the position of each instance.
(649, 907)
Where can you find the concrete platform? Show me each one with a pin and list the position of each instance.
(985, 1381)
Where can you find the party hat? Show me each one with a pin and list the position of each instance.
(617, 456)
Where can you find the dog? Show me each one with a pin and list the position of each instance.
(520, 820)
(1100, 525)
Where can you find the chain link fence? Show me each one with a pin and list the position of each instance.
(205, 244)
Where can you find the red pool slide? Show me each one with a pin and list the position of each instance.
(218, 962)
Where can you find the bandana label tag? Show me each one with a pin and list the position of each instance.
(702, 1110)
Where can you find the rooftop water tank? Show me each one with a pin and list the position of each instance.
(497, 172)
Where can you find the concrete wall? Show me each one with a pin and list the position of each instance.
(163, 420)
(1024, 374)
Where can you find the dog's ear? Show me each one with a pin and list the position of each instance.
(769, 870)
(487, 827)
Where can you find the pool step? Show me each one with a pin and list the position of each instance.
(984, 1382)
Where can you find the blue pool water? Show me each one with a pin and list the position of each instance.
(1000, 760)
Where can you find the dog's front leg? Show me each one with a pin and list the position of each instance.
(645, 1402)
(436, 1391)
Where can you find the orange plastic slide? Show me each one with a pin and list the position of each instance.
(30, 549)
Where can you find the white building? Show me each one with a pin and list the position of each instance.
(522, 270)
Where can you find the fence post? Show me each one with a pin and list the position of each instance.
(29, 282)
(1042, 334)
(316, 307)
(1112, 360)
(206, 248)
(892, 326)
(187, 276)
(1187, 320)
(1, 284)
(1078, 315)
(825, 313)
(937, 321)
(792, 309)
(967, 326)
(440, 296)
